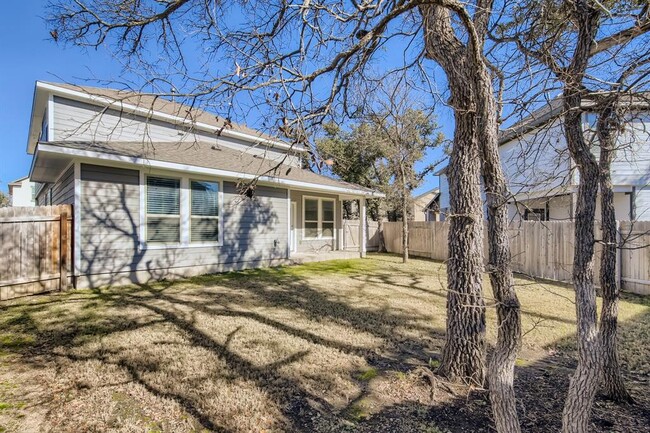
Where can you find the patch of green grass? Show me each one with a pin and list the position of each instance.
(519, 362)
(5, 406)
(16, 341)
(369, 374)
(358, 411)
(434, 363)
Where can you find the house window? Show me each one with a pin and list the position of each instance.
(318, 216)
(204, 215)
(535, 215)
(43, 136)
(163, 210)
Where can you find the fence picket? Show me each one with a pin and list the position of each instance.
(541, 249)
(36, 249)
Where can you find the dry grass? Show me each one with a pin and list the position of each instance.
(322, 347)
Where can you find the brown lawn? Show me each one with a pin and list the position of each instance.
(327, 347)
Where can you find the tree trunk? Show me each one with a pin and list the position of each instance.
(405, 222)
(584, 382)
(464, 349)
(501, 364)
(612, 379)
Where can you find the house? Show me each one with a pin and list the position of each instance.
(162, 190)
(22, 192)
(542, 177)
(425, 206)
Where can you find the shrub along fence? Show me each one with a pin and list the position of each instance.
(35, 249)
(540, 249)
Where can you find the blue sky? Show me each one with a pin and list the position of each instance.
(29, 54)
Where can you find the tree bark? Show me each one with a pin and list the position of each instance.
(612, 380)
(584, 382)
(501, 363)
(464, 350)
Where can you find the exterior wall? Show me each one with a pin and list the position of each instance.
(420, 213)
(642, 203)
(63, 189)
(538, 161)
(60, 192)
(316, 245)
(631, 165)
(444, 196)
(560, 207)
(74, 120)
(255, 232)
(22, 193)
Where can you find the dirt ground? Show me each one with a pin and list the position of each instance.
(338, 346)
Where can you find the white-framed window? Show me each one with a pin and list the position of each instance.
(163, 210)
(204, 211)
(318, 218)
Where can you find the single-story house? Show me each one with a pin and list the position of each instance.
(162, 190)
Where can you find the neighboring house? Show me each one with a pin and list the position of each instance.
(426, 206)
(158, 195)
(543, 179)
(22, 192)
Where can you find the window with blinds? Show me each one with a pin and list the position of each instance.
(318, 217)
(163, 210)
(204, 211)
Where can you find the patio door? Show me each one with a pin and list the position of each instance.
(293, 233)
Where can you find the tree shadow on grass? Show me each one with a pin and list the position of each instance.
(218, 317)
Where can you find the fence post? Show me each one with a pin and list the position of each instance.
(63, 249)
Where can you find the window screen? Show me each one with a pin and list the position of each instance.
(204, 211)
(163, 209)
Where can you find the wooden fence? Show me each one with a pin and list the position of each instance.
(351, 235)
(540, 249)
(36, 249)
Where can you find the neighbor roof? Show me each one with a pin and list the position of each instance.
(553, 108)
(205, 155)
(17, 181)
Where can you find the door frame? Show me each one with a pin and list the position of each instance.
(294, 230)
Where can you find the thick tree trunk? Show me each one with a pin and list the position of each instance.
(584, 382)
(464, 350)
(612, 379)
(463, 353)
(501, 364)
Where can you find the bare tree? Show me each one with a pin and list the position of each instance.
(296, 62)
(567, 39)
(476, 127)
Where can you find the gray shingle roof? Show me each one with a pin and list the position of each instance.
(206, 155)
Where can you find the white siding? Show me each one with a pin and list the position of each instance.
(538, 161)
(642, 204)
(79, 121)
(22, 194)
(631, 165)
